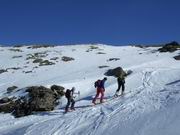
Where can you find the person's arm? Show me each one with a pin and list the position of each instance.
(103, 82)
(71, 94)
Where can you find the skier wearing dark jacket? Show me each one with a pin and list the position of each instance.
(99, 84)
(70, 99)
(121, 83)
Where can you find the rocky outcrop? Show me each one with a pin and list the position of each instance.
(3, 70)
(11, 89)
(58, 90)
(40, 46)
(66, 59)
(170, 47)
(15, 50)
(100, 53)
(104, 66)
(6, 105)
(113, 59)
(39, 98)
(14, 57)
(5, 100)
(54, 58)
(177, 57)
(37, 55)
(117, 72)
(46, 62)
(37, 60)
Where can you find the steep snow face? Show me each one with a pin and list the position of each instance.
(150, 104)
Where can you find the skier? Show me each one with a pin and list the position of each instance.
(99, 84)
(70, 99)
(121, 83)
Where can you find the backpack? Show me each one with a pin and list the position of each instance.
(97, 83)
(68, 93)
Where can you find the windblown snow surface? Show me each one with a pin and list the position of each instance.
(150, 106)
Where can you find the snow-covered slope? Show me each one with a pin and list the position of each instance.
(150, 104)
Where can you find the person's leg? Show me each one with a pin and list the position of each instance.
(123, 88)
(67, 106)
(102, 95)
(72, 104)
(97, 95)
(119, 85)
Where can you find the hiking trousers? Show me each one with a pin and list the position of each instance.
(99, 91)
(120, 84)
(70, 101)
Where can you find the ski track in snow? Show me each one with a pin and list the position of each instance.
(127, 114)
(98, 116)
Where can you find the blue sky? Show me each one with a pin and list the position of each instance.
(115, 22)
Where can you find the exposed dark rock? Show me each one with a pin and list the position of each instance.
(103, 66)
(45, 63)
(59, 90)
(11, 89)
(37, 55)
(129, 72)
(5, 100)
(41, 98)
(115, 72)
(174, 43)
(94, 47)
(40, 54)
(17, 57)
(30, 56)
(22, 108)
(55, 58)
(15, 50)
(113, 59)
(7, 107)
(66, 59)
(177, 57)
(35, 67)
(14, 68)
(170, 47)
(88, 50)
(39, 46)
(26, 72)
(3, 70)
(37, 60)
(18, 46)
(101, 53)
(140, 46)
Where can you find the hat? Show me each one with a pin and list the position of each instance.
(73, 88)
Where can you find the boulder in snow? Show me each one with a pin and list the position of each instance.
(117, 72)
(170, 47)
(12, 88)
(3, 70)
(58, 90)
(66, 59)
(177, 57)
(41, 98)
(6, 105)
